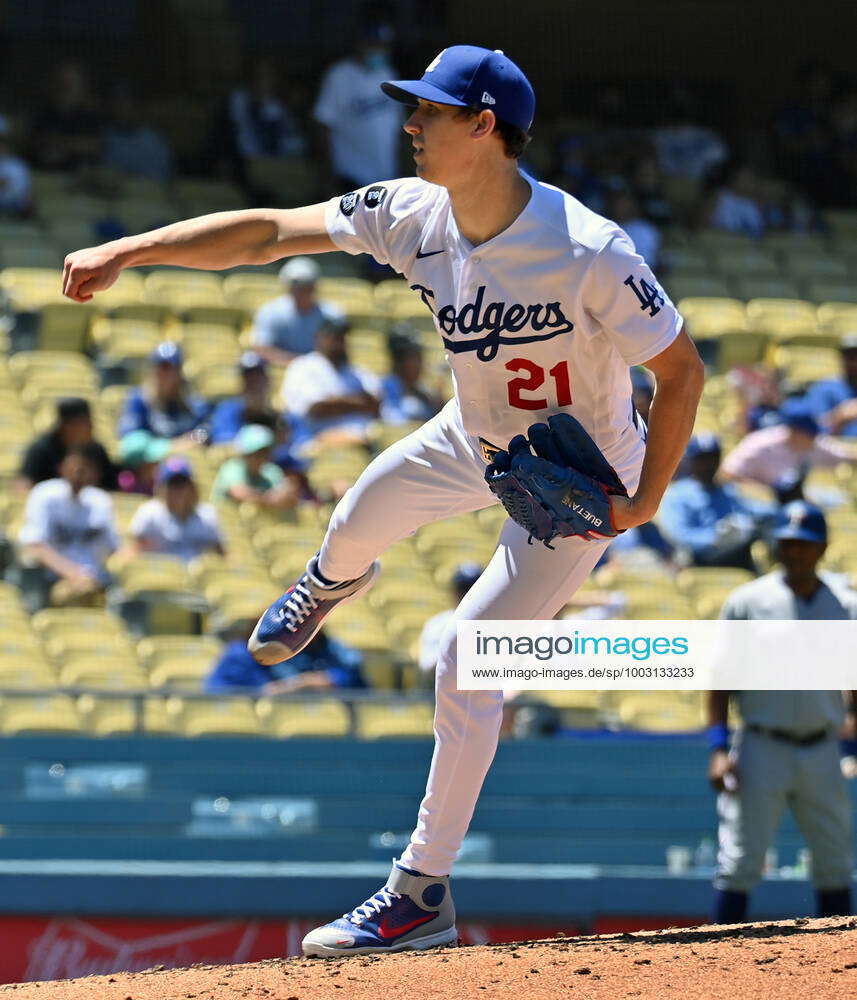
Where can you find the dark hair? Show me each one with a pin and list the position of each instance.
(72, 408)
(90, 451)
(515, 140)
(402, 346)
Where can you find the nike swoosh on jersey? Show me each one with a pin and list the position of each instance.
(431, 253)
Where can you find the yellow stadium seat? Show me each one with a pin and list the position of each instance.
(101, 716)
(56, 622)
(106, 674)
(25, 669)
(805, 266)
(54, 713)
(587, 700)
(217, 381)
(64, 326)
(787, 243)
(31, 287)
(151, 572)
(223, 716)
(127, 290)
(126, 339)
(26, 253)
(219, 316)
(695, 579)
(838, 317)
(250, 291)
(394, 720)
(802, 364)
(686, 260)
(759, 286)
(680, 286)
(746, 260)
(51, 368)
(711, 317)
(181, 289)
(832, 291)
(77, 642)
(327, 718)
(782, 317)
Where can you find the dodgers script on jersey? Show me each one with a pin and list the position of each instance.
(543, 318)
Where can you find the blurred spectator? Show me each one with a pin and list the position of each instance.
(433, 631)
(712, 524)
(260, 120)
(833, 402)
(139, 455)
(687, 149)
(130, 145)
(328, 396)
(69, 529)
(736, 204)
(793, 445)
(164, 405)
(251, 476)
(359, 123)
(575, 173)
(15, 180)
(646, 237)
(253, 406)
(648, 187)
(44, 455)
(404, 397)
(68, 128)
(287, 326)
(761, 394)
(174, 522)
(324, 664)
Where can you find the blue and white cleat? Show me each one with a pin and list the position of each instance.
(292, 620)
(411, 913)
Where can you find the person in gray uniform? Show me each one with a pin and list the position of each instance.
(787, 751)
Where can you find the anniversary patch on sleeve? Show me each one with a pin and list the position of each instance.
(348, 202)
(375, 196)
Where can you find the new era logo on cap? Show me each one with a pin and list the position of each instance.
(487, 98)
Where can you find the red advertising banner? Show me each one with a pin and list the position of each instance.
(38, 948)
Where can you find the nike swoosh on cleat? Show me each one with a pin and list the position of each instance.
(389, 932)
(431, 253)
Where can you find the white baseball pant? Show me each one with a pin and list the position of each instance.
(771, 776)
(438, 472)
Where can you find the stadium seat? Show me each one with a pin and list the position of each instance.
(394, 720)
(181, 289)
(654, 713)
(105, 672)
(64, 326)
(803, 365)
(788, 242)
(812, 266)
(101, 716)
(249, 291)
(758, 286)
(127, 342)
(782, 317)
(207, 343)
(26, 253)
(56, 622)
(49, 714)
(711, 317)
(223, 716)
(178, 661)
(686, 260)
(30, 288)
(217, 381)
(752, 260)
(837, 316)
(683, 286)
(220, 316)
(325, 718)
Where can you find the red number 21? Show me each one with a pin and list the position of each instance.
(534, 380)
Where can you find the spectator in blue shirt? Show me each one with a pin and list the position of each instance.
(324, 664)
(253, 406)
(164, 404)
(287, 326)
(709, 521)
(404, 397)
(833, 401)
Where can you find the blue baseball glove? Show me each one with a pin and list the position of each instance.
(556, 481)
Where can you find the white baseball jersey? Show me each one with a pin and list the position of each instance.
(545, 317)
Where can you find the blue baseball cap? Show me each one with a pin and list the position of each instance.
(797, 414)
(801, 521)
(469, 76)
(167, 353)
(703, 444)
(175, 467)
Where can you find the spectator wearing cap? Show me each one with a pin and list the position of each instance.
(404, 396)
(324, 664)
(253, 406)
(15, 178)
(69, 529)
(139, 455)
(793, 445)
(465, 575)
(286, 327)
(174, 522)
(833, 402)
(164, 404)
(326, 395)
(710, 523)
(251, 476)
(359, 129)
(44, 455)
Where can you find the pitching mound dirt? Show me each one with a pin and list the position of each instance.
(793, 959)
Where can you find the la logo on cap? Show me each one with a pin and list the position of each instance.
(432, 66)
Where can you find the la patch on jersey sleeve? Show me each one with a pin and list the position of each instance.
(384, 219)
(623, 296)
